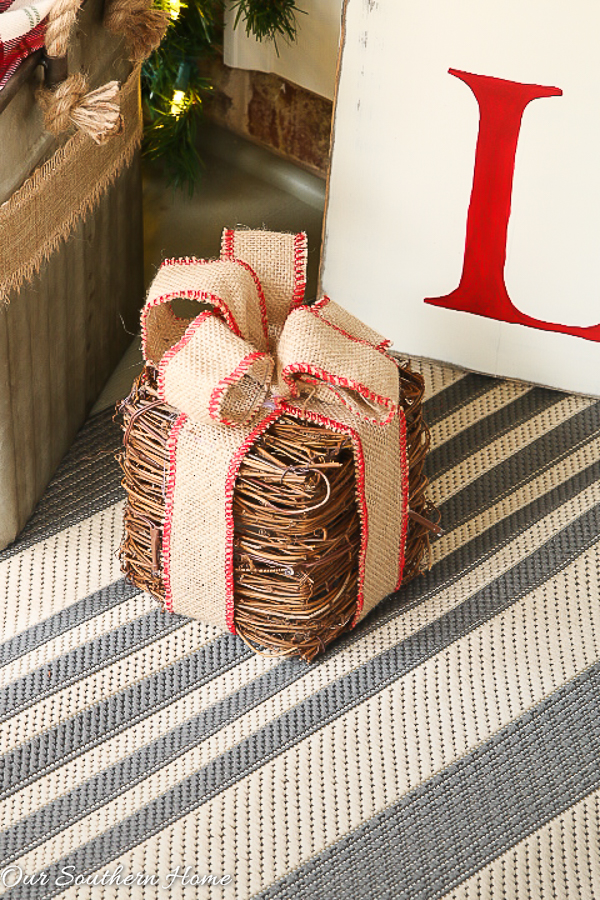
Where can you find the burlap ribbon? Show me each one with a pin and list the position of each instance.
(253, 355)
(48, 205)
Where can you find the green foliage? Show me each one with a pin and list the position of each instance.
(170, 132)
(267, 19)
(173, 88)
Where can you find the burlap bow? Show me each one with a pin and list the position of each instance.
(252, 355)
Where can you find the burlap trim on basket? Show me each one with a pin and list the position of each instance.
(255, 357)
(45, 209)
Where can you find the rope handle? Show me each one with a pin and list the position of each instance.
(66, 100)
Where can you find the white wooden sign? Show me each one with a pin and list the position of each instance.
(463, 218)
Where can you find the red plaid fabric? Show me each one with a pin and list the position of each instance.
(13, 52)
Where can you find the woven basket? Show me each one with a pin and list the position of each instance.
(297, 525)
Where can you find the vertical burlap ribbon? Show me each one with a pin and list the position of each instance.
(231, 371)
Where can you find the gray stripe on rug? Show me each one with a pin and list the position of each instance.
(108, 784)
(87, 481)
(83, 660)
(457, 395)
(62, 621)
(472, 439)
(488, 542)
(462, 818)
(520, 467)
(89, 728)
(332, 701)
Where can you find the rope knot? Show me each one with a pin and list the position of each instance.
(97, 113)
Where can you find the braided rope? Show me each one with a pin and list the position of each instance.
(57, 105)
(61, 19)
(142, 26)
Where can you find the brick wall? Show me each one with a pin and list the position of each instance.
(271, 111)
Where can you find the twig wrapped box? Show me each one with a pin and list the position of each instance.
(271, 451)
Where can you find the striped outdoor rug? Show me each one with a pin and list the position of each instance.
(448, 748)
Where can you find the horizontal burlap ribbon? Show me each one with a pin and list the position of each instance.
(253, 354)
(49, 204)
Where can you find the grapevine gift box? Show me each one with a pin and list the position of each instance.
(274, 453)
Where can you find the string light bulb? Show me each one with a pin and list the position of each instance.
(177, 103)
(180, 87)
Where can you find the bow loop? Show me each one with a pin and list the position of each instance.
(229, 286)
(336, 364)
(212, 366)
(215, 376)
(279, 261)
